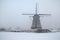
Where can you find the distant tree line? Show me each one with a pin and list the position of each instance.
(2, 29)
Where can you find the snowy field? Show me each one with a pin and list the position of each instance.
(29, 36)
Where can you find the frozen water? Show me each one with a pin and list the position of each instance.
(29, 36)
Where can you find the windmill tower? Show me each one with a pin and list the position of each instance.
(36, 20)
(36, 24)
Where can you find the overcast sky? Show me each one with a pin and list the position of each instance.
(11, 13)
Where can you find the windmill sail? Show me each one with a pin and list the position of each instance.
(36, 9)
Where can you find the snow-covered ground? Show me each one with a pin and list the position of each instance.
(29, 36)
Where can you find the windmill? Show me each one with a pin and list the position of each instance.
(36, 24)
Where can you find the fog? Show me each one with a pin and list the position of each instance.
(11, 13)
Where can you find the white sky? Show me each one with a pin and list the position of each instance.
(11, 13)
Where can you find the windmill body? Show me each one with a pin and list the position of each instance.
(36, 22)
